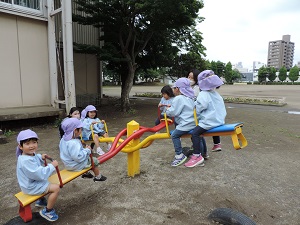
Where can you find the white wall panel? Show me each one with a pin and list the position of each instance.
(10, 83)
(34, 65)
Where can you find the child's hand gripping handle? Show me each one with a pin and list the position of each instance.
(55, 164)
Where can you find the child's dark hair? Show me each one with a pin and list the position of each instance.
(26, 140)
(73, 109)
(195, 74)
(167, 90)
(87, 115)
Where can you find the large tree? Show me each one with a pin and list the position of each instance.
(129, 26)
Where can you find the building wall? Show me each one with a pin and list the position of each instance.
(281, 53)
(23, 62)
(86, 74)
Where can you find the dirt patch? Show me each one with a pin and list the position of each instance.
(262, 181)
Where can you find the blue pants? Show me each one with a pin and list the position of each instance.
(199, 144)
(176, 140)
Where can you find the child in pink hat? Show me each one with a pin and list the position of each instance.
(211, 112)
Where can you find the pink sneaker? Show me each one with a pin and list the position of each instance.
(216, 148)
(194, 161)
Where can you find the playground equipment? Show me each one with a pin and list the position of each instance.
(61, 177)
(132, 144)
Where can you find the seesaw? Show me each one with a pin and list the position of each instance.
(132, 144)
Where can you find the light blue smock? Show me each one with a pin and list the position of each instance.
(210, 109)
(164, 101)
(73, 155)
(86, 129)
(182, 109)
(32, 175)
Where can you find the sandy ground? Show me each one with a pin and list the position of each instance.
(262, 180)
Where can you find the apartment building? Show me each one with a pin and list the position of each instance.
(281, 53)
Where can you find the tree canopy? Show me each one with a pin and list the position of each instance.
(143, 29)
(262, 74)
(272, 73)
(282, 74)
(294, 74)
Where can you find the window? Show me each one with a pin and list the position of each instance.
(27, 8)
(32, 4)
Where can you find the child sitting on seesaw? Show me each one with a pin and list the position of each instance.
(72, 153)
(165, 101)
(182, 110)
(210, 109)
(88, 118)
(33, 175)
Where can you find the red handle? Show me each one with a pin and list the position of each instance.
(57, 170)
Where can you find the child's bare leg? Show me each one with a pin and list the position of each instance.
(53, 190)
(96, 140)
(106, 136)
(96, 171)
(98, 176)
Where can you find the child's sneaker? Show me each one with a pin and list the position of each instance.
(194, 161)
(50, 216)
(216, 148)
(108, 147)
(87, 175)
(102, 178)
(205, 156)
(100, 151)
(42, 202)
(179, 161)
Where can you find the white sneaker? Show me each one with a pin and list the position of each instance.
(100, 151)
(108, 147)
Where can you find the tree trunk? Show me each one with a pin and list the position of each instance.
(126, 88)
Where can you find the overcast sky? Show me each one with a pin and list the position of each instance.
(240, 30)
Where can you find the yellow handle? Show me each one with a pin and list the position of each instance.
(195, 117)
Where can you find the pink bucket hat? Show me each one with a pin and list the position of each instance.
(24, 135)
(207, 80)
(68, 126)
(185, 87)
(87, 109)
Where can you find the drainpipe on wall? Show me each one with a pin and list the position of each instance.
(70, 95)
(52, 54)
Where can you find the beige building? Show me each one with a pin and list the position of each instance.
(27, 79)
(281, 53)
